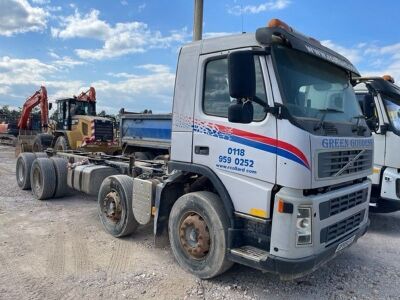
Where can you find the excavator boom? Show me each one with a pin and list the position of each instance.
(38, 98)
(89, 95)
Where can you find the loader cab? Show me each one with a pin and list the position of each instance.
(68, 108)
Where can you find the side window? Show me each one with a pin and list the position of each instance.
(216, 98)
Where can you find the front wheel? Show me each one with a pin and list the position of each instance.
(198, 230)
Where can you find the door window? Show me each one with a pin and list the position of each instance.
(216, 98)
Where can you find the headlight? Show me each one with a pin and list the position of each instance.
(304, 226)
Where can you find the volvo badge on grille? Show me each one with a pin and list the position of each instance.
(349, 164)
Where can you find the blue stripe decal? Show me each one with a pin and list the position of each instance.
(261, 146)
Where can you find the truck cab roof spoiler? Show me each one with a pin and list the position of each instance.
(379, 84)
(273, 35)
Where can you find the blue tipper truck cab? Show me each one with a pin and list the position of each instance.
(269, 159)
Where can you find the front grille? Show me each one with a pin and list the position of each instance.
(332, 232)
(339, 163)
(342, 203)
(103, 130)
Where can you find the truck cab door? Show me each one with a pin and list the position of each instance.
(243, 156)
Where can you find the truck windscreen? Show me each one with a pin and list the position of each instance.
(314, 90)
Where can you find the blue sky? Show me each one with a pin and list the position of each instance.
(127, 49)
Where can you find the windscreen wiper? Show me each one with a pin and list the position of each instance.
(358, 126)
(324, 113)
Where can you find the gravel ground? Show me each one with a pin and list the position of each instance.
(58, 250)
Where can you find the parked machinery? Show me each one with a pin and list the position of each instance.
(74, 126)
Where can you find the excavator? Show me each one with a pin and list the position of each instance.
(74, 125)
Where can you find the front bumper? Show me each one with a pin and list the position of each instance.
(289, 269)
(295, 268)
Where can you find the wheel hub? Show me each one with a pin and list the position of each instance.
(112, 207)
(194, 236)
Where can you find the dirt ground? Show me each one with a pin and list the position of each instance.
(58, 250)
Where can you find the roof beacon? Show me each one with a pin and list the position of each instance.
(388, 78)
(278, 23)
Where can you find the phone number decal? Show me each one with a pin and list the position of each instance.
(235, 160)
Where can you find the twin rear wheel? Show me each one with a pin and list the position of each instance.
(47, 177)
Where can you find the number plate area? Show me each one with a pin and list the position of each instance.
(345, 244)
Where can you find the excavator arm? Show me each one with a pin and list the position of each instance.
(89, 95)
(38, 98)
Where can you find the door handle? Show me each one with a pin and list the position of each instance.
(201, 150)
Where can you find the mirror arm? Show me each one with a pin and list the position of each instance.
(276, 110)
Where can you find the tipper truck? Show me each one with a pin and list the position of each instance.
(379, 99)
(269, 160)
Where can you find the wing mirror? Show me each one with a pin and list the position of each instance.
(242, 86)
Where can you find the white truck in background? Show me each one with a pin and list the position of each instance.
(269, 160)
(379, 98)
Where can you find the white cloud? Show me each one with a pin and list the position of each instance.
(23, 71)
(151, 87)
(120, 39)
(41, 2)
(371, 59)
(21, 77)
(154, 68)
(53, 9)
(87, 26)
(383, 60)
(67, 62)
(124, 2)
(256, 9)
(5, 90)
(18, 16)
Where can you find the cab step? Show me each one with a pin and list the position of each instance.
(250, 253)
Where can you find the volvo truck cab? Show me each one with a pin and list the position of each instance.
(379, 98)
(269, 162)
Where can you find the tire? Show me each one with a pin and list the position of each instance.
(43, 178)
(42, 142)
(23, 170)
(204, 208)
(61, 144)
(61, 169)
(116, 191)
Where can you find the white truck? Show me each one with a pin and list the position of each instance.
(269, 160)
(379, 99)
